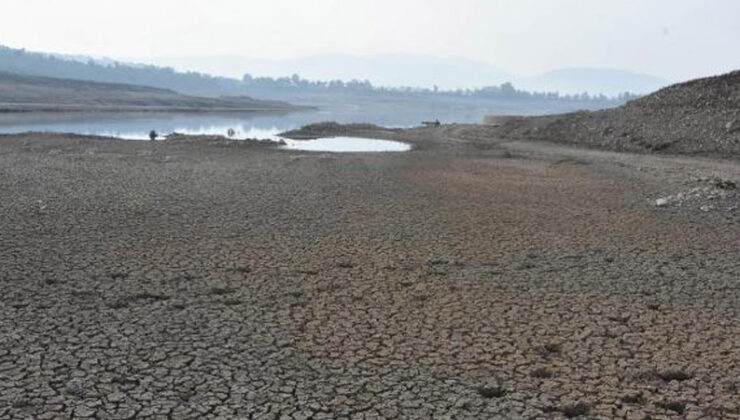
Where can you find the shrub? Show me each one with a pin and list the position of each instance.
(550, 349)
(676, 406)
(489, 392)
(674, 375)
(542, 372)
(577, 409)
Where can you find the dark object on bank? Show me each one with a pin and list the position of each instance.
(153, 135)
(434, 123)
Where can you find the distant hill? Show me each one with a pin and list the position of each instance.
(607, 81)
(423, 71)
(70, 67)
(27, 93)
(485, 95)
(699, 116)
(381, 70)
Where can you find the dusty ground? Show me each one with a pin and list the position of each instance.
(470, 278)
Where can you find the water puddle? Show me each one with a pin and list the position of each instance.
(346, 144)
(136, 126)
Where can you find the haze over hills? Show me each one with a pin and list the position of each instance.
(78, 67)
(381, 70)
(422, 71)
(206, 74)
(607, 81)
(502, 98)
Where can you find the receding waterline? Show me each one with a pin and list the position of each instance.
(234, 127)
(346, 145)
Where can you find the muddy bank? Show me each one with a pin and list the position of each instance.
(333, 129)
(472, 277)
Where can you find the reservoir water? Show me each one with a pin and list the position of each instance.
(136, 126)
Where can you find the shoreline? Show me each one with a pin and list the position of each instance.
(42, 108)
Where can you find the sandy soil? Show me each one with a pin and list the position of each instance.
(469, 278)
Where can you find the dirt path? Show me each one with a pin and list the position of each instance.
(470, 278)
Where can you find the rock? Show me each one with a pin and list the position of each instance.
(116, 397)
(706, 208)
(75, 388)
(84, 412)
(661, 202)
(724, 184)
(732, 126)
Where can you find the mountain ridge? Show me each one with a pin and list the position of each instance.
(448, 73)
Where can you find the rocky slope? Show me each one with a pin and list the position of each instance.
(699, 116)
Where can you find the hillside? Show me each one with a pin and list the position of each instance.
(699, 116)
(381, 70)
(31, 93)
(420, 71)
(49, 65)
(399, 72)
(593, 80)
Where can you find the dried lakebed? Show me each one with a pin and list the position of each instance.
(467, 278)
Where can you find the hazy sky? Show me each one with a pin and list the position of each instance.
(674, 39)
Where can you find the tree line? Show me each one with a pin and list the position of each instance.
(194, 83)
(504, 91)
(47, 65)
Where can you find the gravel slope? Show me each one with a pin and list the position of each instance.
(470, 278)
(697, 117)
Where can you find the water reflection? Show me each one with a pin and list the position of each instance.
(404, 112)
(136, 126)
(346, 144)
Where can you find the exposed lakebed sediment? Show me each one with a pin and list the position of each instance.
(468, 278)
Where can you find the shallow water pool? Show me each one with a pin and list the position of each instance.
(136, 126)
(346, 144)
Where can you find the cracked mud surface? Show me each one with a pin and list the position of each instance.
(467, 279)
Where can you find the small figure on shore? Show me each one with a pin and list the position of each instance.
(231, 132)
(153, 135)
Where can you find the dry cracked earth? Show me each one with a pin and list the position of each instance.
(471, 278)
